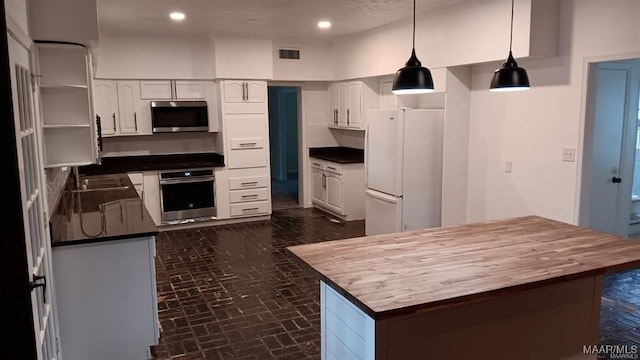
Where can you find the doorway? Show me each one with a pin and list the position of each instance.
(610, 189)
(283, 146)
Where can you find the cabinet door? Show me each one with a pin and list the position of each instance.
(185, 90)
(105, 96)
(335, 195)
(318, 194)
(354, 113)
(234, 91)
(343, 103)
(256, 91)
(155, 90)
(127, 104)
(333, 105)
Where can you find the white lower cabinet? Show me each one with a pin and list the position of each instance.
(339, 188)
(106, 296)
(249, 192)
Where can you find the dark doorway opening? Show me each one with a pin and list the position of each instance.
(283, 146)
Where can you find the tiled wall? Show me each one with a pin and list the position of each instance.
(56, 179)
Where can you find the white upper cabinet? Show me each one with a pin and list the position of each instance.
(68, 124)
(349, 102)
(172, 90)
(244, 91)
(121, 109)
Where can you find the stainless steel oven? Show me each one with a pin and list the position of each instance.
(187, 195)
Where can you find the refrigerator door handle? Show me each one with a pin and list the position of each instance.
(366, 156)
(382, 196)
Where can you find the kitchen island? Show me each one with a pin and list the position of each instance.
(521, 288)
(103, 259)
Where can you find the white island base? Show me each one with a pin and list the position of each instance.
(553, 322)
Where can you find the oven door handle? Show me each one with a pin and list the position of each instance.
(187, 181)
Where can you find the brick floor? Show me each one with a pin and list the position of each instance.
(231, 292)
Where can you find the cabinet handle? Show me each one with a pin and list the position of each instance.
(135, 121)
(330, 167)
(251, 209)
(114, 122)
(249, 196)
(316, 164)
(174, 90)
(324, 181)
(248, 144)
(348, 116)
(337, 116)
(249, 183)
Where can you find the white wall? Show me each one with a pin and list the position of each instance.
(473, 32)
(237, 58)
(530, 128)
(146, 57)
(314, 63)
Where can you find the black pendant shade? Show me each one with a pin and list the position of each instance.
(413, 78)
(510, 77)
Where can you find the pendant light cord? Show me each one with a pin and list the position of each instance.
(414, 24)
(511, 33)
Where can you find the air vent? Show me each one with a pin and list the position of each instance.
(289, 54)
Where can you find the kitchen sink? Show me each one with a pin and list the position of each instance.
(101, 184)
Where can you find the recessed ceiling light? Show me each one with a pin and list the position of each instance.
(177, 16)
(324, 24)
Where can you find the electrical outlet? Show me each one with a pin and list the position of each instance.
(507, 166)
(569, 154)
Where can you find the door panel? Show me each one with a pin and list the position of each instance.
(609, 207)
(256, 91)
(354, 116)
(383, 150)
(155, 90)
(36, 227)
(318, 193)
(127, 106)
(233, 91)
(343, 103)
(105, 96)
(189, 90)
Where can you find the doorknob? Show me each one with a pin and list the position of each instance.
(616, 180)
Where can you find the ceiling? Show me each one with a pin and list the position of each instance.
(258, 18)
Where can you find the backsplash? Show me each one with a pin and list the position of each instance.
(56, 180)
(158, 144)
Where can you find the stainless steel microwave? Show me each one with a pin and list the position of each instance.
(178, 116)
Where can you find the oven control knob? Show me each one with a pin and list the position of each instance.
(190, 206)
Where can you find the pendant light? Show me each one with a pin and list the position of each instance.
(510, 77)
(412, 78)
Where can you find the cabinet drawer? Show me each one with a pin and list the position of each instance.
(333, 167)
(250, 208)
(317, 164)
(246, 143)
(248, 195)
(248, 182)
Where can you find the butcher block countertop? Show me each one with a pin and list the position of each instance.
(403, 273)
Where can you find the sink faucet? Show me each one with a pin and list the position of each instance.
(76, 174)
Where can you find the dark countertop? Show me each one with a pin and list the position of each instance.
(339, 154)
(100, 215)
(123, 164)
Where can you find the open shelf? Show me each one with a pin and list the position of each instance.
(62, 64)
(59, 153)
(65, 106)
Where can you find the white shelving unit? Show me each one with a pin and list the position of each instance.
(67, 120)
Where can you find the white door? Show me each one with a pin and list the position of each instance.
(383, 213)
(156, 90)
(105, 95)
(36, 226)
(194, 90)
(383, 151)
(613, 143)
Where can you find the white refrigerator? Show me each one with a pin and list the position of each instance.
(403, 161)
